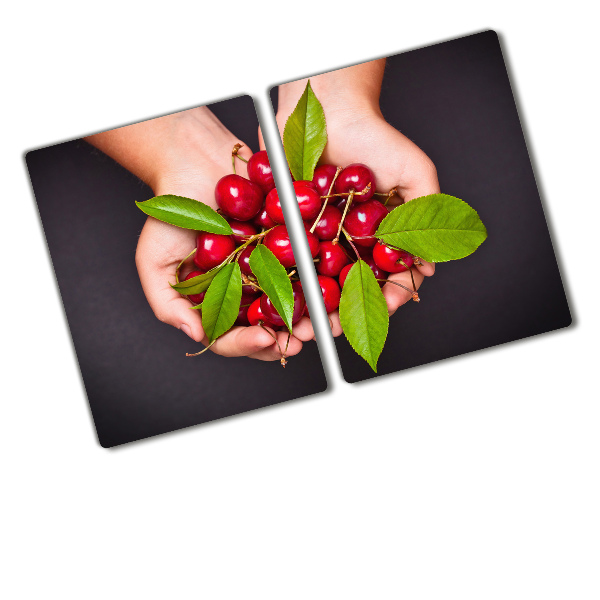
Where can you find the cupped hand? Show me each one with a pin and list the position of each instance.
(197, 155)
(363, 136)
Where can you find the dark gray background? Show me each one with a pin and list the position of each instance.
(454, 100)
(138, 380)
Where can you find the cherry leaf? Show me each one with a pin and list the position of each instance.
(222, 301)
(305, 135)
(186, 213)
(274, 280)
(437, 228)
(198, 284)
(364, 313)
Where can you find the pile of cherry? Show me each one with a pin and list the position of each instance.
(337, 201)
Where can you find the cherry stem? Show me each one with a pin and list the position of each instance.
(350, 196)
(247, 281)
(202, 351)
(414, 294)
(251, 239)
(283, 361)
(349, 239)
(367, 188)
(338, 171)
(181, 264)
(411, 273)
(390, 194)
(234, 153)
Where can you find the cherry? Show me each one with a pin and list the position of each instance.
(244, 260)
(272, 315)
(326, 228)
(238, 198)
(313, 241)
(305, 183)
(196, 298)
(263, 220)
(308, 199)
(331, 292)
(344, 273)
(242, 230)
(248, 297)
(323, 177)
(356, 177)
(377, 271)
(259, 171)
(388, 259)
(242, 318)
(332, 259)
(340, 203)
(255, 314)
(273, 207)
(363, 219)
(278, 242)
(213, 249)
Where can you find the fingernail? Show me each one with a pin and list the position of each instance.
(186, 329)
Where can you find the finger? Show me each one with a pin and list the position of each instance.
(242, 341)
(334, 321)
(422, 181)
(167, 304)
(425, 268)
(274, 352)
(396, 296)
(303, 330)
(261, 141)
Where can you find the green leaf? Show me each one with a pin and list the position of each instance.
(222, 301)
(305, 135)
(198, 284)
(364, 313)
(186, 213)
(437, 228)
(273, 279)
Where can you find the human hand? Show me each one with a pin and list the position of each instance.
(358, 133)
(184, 154)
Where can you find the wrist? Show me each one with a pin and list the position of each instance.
(342, 93)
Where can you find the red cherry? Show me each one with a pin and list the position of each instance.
(263, 220)
(244, 260)
(332, 259)
(363, 219)
(377, 271)
(308, 199)
(255, 314)
(273, 207)
(242, 230)
(344, 273)
(242, 318)
(212, 249)
(196, 298)
(356, 177)
(278, 242)
(329, 223)
(313, 241)
(306, 183)
(323, 177)
(259, 171)
(340, 203)
(269, 311)
(238, 198)
(331, 292)
(248, 297)
(388, 259)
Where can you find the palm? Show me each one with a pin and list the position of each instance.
(396, 161)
